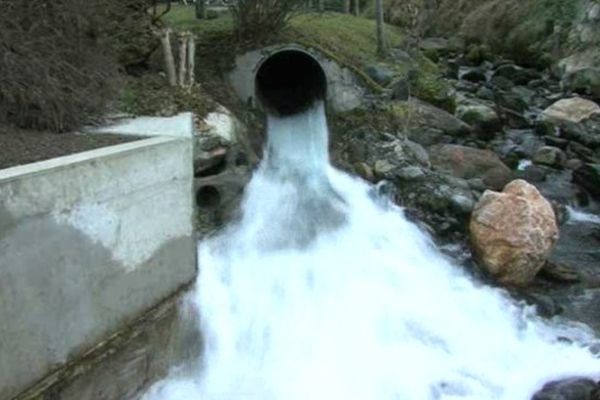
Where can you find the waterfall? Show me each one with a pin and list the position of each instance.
(323, 290)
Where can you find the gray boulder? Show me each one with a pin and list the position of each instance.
(380, 74)
(516, 74)
(550, 156)
(580, 72)
(569, 389)
(588, 176)
(421, 114)
(577, 118)
(481, 117)
(469, 163)
(433, 43)
(473, 75)
(400, 89)
(584, 80)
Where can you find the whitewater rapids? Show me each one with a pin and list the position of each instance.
(323, 290)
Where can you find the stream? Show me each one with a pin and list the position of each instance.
(324, 290)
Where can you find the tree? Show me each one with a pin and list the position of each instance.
(201, 9)
(382, 47)
(357, 7)
(321, 5)
(165, 39)
(346, 6)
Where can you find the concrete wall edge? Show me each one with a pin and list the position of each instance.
(53, 164)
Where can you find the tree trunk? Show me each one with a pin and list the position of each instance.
(382, 49)
(357, 7)
(192, 59)
(201, 9)
(346, 9)
(168, 54)
(321, 5)
(182, 58)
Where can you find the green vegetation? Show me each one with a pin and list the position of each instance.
(429, 86)
(184, 18)
(536, 24)
(347, 39)
(151, 95)
(386, 118)
(350, 38)
(523, 29)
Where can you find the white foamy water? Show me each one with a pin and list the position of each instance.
(323, 291)
(523, 164)
(582, 216)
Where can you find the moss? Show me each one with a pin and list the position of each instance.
(393, 117)
(381, 119)
(431, 87)
(401, 110)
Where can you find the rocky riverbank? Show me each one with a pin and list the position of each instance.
(501, 122)
(509, 124)
(498, 161)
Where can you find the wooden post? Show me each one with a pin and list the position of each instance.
(192, 59)
(382, 49)
(168, 56)
(182, 58)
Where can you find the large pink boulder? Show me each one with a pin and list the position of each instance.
(513, 232)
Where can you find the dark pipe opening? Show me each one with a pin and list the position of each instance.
(208, 197)
(289, 82)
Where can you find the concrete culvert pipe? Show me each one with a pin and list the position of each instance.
(289, 82)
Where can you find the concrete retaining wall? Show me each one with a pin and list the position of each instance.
(87, 243)
(344, 91)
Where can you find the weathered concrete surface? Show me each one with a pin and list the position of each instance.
(123, 366)
(88, 242)
(344, 91)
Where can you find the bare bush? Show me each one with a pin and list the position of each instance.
(60, 58)
(256, 19)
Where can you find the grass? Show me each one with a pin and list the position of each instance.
(345, 38)
(351, 38)
(184, 19)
